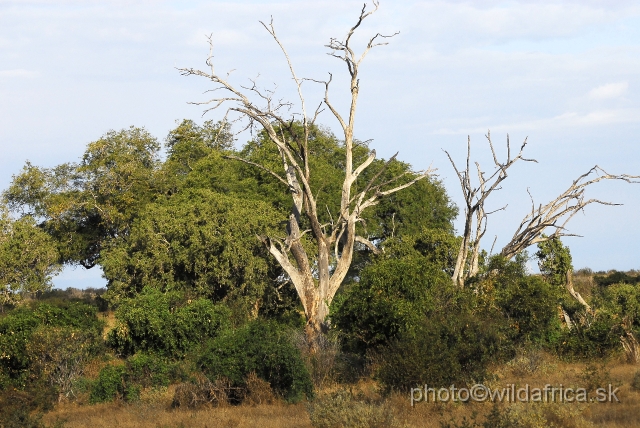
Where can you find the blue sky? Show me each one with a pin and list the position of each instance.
(565, 74)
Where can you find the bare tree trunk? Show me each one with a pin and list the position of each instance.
(475, 197)
(574, 293)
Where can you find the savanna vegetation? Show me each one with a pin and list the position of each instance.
(240, 293)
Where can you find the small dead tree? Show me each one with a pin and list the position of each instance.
(318, 276)
(474, 199)
(556, 214)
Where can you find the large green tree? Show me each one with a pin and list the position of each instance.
(86, 205)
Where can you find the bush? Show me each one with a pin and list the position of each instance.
(392, 296)
(262, 347)
(127, 381)
(528, 304)
(342, 409)
(58, 355)
(440, 351)
(599, 338)
(531, 307)
(109, 385)
(149, 371)
(622, 301)
(162, 323)
(18, 326)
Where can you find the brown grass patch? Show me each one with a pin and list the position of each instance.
(261, 409)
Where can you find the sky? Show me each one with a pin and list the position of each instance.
(564, 75)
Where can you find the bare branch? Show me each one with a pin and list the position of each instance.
(557, 213)
(257, 165)
(368, 244)
(475, 198)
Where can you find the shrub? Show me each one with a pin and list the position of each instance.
(127, 381)
(531, 306)
(342, 409)
(599, 338)
(262, 347)
(58, 355)
(18, 326)
(109, 385)
(148, 371)
(620, 300)
(393, 295)
(440, 351)
(15, 332)
(161, 323)
(527, 303)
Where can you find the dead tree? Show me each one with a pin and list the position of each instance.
(474, 199)
(318, 276)
(557, 213)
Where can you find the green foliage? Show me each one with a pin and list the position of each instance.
(126, 381)
(529, 304)
(28, 257)
(148, 370)
(438, 247)
(262, 347)
(187, 145)
(58, 355)
(616, 277)
(110, 385)
(442, 349)
(617, 309)
(599, 338)
(554, 261)
(18, 326)
(392, 296)
(620, 300)
(88, 205)
(198, 242)
(189, 224)
(164, 323)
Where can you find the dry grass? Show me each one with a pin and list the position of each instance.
(154, 411)
(109, 319)
(537, 369)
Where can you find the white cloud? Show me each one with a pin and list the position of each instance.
(565, 120)
(19, 73)
(610, 90)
